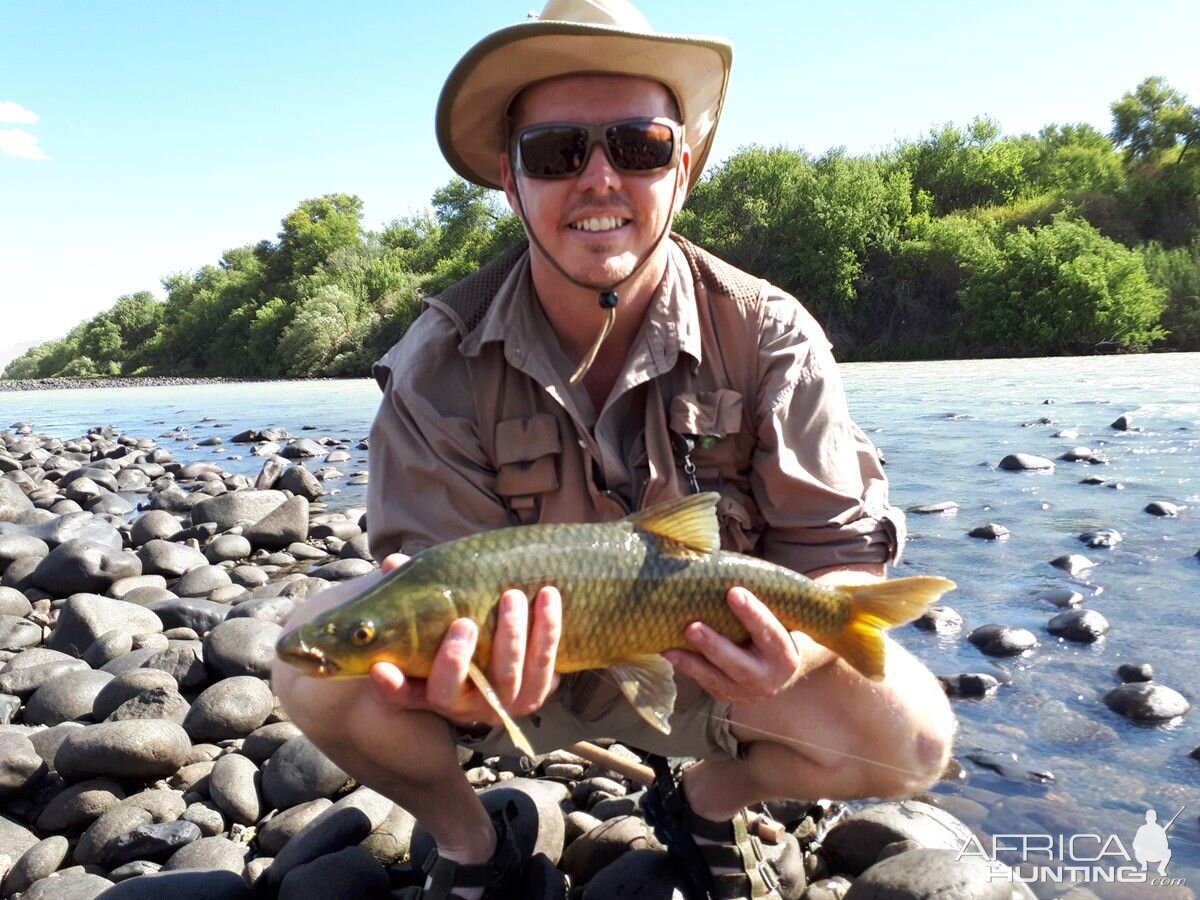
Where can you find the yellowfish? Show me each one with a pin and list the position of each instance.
(629, 589)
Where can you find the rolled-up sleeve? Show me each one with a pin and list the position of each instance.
(817, 478)
(430, 479)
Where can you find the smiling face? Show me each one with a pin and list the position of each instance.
(599, 224)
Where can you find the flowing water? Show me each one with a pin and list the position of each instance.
(1042, 755)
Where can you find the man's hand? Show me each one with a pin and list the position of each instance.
(771, 662)
(521, 668)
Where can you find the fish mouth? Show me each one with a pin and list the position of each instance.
(310, 660)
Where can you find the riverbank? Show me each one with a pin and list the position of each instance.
(70, 384)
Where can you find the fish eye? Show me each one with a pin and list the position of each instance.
(362, 633)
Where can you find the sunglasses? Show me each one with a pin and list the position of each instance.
(633, 147)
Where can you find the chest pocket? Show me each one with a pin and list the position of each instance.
(709, 421)
(527, 459)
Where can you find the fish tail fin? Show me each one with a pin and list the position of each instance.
(876, 607)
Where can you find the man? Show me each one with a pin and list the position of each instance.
(604, 368)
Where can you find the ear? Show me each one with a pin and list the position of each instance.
(683, 175)
(508, 180)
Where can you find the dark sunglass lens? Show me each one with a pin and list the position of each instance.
(640, 146)
(553, 151)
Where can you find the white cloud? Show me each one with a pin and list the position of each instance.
(15, 112)
(20, 143)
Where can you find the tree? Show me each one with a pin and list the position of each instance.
(1153, 119)
(1062, 288)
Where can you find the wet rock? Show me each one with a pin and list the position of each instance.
(1026, 462)
(83, 567)
(1003, 640)
(1061, 597)
(298, 772)
(1146, 702)
(1083, 625)
(989, 532)
(351, 872)
(855, 843)
(302, 448)
(1078, 454)
(1072, 563)
(133, 750)
(85, 617)
(1162, 508)
(231, 708)
(925, 872)
(944, 507)
(1123, 422)
(242, 646)
(940, 619)
(1101, 537)
(969, 684)
(1133, 672)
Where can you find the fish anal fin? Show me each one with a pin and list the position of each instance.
(648, 683)
(690, 522)
(489, 694)
(876, 607)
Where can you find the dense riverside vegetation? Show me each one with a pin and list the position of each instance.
(965, 242)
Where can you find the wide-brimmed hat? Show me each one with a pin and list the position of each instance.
(607, 37)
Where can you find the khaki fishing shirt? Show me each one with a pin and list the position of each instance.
(729, 379)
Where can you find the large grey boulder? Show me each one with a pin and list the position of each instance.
(81, 566)
(236, 507)
(13, 501)
(84, 617)
(284, 525)
(169, 559)
(137, 749)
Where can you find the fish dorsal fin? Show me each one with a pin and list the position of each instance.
(690, 522)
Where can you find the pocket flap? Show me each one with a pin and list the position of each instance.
(715, 413)
(528, 439)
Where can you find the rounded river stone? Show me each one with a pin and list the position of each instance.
(138, 749)
(932, 872)
(169, 559)
(125, 687)
(84, 617)
(233, 787)
(351, 872)
(81, 566)
(1002, 640)
(854, 844)
(39, 861)
(201, 581)
(182, 885)
(155, 525)
(210, 853)
(231, 708)
(1146, 701)
(1026, 462)
(242, 646)
(78, 805)
(67, 697)
(298, 772)
(20, 765)
(1083, 625)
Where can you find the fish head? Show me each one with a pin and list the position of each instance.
(394, 620)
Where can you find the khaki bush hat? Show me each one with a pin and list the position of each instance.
(605, 37)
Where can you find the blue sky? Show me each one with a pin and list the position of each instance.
(140, 138)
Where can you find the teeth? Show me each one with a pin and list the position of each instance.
(599, 223)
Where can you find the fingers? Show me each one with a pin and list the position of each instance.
(448, 674)
(393, 561)
(508, 646)
(742, 674)
(538, 678)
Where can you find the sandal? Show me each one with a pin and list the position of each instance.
(500, 876)
(677, 826)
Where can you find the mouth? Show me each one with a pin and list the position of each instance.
(599, 224)
(310, 660)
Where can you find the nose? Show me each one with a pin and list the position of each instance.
(598, 173)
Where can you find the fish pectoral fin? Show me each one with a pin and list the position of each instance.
(648, 683)
(489, 694)
(689, 522)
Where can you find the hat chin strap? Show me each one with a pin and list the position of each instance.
(607, 295)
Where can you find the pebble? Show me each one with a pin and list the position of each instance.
(78, 805)
(1072, 563)
(209, 853)
(68, 696)
(38, 862)
(154, 842)
(944, 507)
(1003, 640)
(1063, 598)
(1083, 625)
(231, 708)
(969, 684)
(233, 787)
(939, 619)
(1130, 672)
